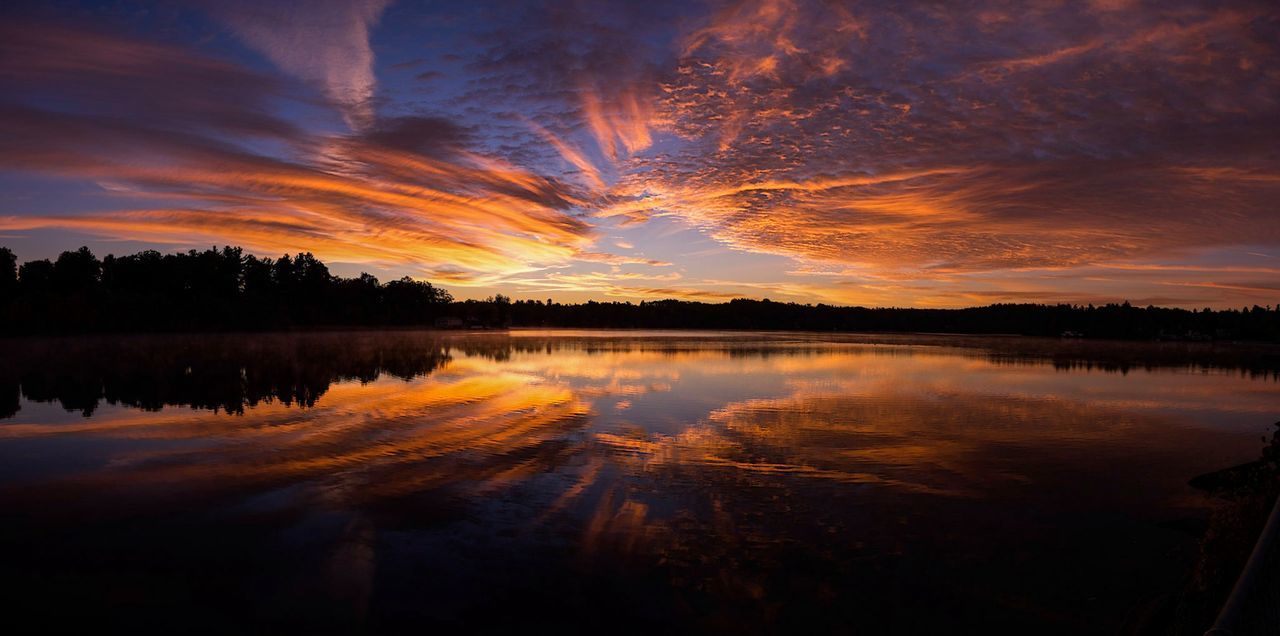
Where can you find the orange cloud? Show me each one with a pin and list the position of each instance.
(573, 156)
(892, 152)
(624, 118)
(357, 203)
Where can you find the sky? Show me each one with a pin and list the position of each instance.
(878, 153)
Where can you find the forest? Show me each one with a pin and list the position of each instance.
(224, 289)
(211, 290)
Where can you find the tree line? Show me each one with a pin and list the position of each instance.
(228, 290)
(1112, 321)
(214, 289)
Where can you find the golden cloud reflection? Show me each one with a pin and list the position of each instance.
(863, 454)
(361, 442)
(950, 443)
(715, 467)
(931, 421)
(919, 419)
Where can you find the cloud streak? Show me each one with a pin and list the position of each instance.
(878, 152)
(325, 42)
(406, 193)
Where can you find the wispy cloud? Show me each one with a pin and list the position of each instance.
(877, 152)
(406, 192)
(325, 42)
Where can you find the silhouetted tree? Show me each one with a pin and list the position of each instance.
(213, 289)
(35, 277)
(224, 289)
(8, 274)
(413, 302)
(77, 271)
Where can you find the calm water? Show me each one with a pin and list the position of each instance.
(622, 481)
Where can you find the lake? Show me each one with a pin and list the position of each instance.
(612, 480)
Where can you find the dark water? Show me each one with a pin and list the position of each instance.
(612, 481)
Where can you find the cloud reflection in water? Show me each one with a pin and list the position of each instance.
(749, 478)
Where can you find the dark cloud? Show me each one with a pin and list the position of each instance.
(108, 75)
(432, 136)
(407, 64)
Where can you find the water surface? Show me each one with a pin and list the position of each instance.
(683, 481)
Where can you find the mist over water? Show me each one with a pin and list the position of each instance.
(732, 482)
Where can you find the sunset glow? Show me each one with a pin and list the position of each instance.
(868, 153)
